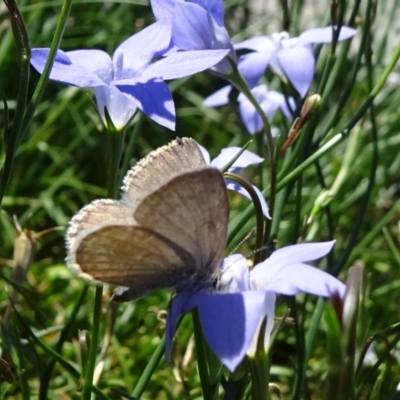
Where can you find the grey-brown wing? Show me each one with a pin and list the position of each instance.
(95, 215)
(133, 257)
(159, 166)
(191, 209)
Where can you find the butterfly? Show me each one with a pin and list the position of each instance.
(169, 229)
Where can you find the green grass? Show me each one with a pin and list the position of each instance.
(59, 167)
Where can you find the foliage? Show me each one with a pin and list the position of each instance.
(338, 180)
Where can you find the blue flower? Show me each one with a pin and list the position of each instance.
(291, 58)
(246, 159)
(270, 101)
(197, 25)
(130, 80)
(232, 314)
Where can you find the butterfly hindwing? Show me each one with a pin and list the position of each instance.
(134, 257)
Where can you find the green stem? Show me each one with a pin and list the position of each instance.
(115, 141)
(45, 378)
(258, 211)
(24, 114)
(12, 133)
(259, 373)
(88, 382)
(149, 370)
(204, 374)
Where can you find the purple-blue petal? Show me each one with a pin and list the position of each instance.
(218, 98)
(153, 98)
(295, 278)
(250, 116)
(258, 43)
(275, 272)
(229, 322)
(163, 9)
(252, 66)
(184, 63)
(180, 304)
(191, 27)
(135, 53)
(325, 35)
(299, 253)
(82, 68)
(298, 65)
(214, 7)
(226, 155)
(120, 107)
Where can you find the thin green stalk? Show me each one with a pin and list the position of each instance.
(12, 133)
(352, 240)
(88, 379)
(149, 370)
(279, 205)
(259, 372)
(206, 386)
(240, 83)
(55, 44)
(301, 361)
(68, 367)
(115, 142)
(334, 117)
(24, 114)
(313, 328)
(258, 211)
(45, 378)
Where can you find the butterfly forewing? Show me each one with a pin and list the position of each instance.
(159, 166)
(192, 209)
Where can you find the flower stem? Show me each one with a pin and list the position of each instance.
(88, 383)
(259, 373)
(149, 370)
(24, 114)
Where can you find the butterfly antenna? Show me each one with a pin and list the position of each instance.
(247, 237)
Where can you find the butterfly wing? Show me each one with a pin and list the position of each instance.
(159, 166)
(175, 233)
(192, 209)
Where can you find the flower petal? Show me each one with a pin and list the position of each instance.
(180, 304)
(294, 278)
(205, 153)
(252, 66)
(235, 275)
(163, 9)
(219, 98)
(281, 272)
(214, 7)
(229, 153)
(82, 68)
(229, 322)
(153, 98)
(269, 314)
(135, 53)
(184, 63)
(191, 27)
(299, 253)
(120, 107)
(258, 43)
(298, 65)
(325, 35)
